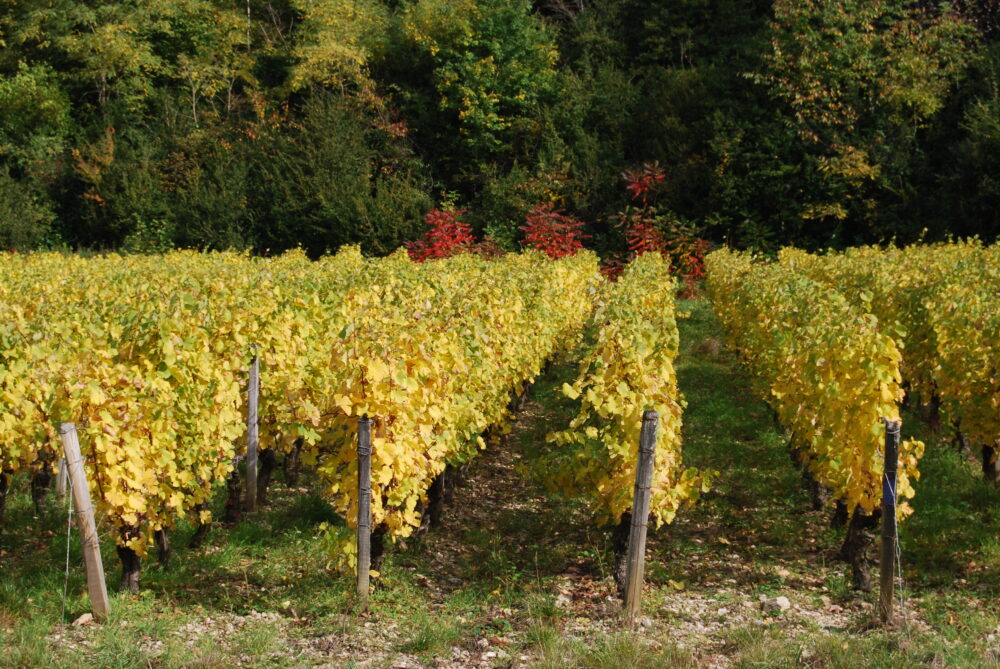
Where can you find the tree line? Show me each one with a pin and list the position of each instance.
(270, 124)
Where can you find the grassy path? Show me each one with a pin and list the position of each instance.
(517, 577)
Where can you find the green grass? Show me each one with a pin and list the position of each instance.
(616, 650)
(514, 572)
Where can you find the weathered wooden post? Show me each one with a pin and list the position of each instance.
(61, 478)
(640, 514)
(253, 388)
(887, 558)
(364, 508)
(85, 522)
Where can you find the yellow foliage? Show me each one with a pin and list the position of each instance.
(438, 350)
(939, 302)
(828, 369)
(628, 368)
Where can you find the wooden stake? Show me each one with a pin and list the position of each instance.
(364, 508)
(253, 388)
(888, 557)
(61, 478)
(85, 522)
(640, 514)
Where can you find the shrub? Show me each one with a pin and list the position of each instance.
(548, 229)
(25, 216)
(447, 236)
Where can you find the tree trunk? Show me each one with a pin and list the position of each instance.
(425, 520)
(818, 493)
(860, 534)
(457, 479)
(959, 441)
(234, 499)
(907, 396)
(292, 463)
(488, 435)
(162, 547)
(819, 496)
(793, 453)
(40, 481)
(378, 547)
(775, 417)
(991, 465)
(267, 461)
(518, 399)
(619, 542)
(839, 517)
(934, 414)
(198, 538)
(449, 488)
(130, 561)
(435, 498)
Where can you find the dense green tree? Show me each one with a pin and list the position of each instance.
(333, 178)
(472, 76)
(336, 42)
(266, 124)
(25, 215)
(959, 183)
(34, 117)
(856, 82)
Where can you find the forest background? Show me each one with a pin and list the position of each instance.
(144, 125)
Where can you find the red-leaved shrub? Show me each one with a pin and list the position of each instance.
(448, 235)
(648, 229)
(642, 179)
(549, 230)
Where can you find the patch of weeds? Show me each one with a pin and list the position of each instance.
(542, 609)
(956, 616)
(334, 624)
(625, 650)
(840, 586)
(598, 555)
(890, 649)
(498, 567)
(657, 572)
(310, 510)
(549, 648)
(755, 646)
(131, 637)
(257, 640)
(495, 627)
(466, 602)
(478, 537)
(25, 646)
(429, 635)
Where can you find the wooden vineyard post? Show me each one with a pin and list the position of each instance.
(887, 558)
(253, 389)
(364, 508)
(640, 514)
(85, 522)
(61, 478)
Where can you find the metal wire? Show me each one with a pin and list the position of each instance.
(69, 529)
(898, 562)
